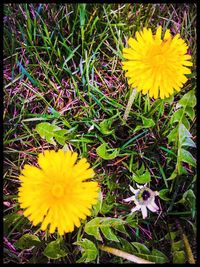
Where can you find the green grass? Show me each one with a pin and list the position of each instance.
(62, 65)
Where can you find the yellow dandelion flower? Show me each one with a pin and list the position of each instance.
(156, 65)
(56, 194)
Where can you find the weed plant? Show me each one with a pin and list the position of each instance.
(63, 68)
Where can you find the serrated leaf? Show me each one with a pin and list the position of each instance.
(188, 142)
(46, 130)
(119, 227)
(189, 99)
(152, 258)
(173, 135)
(141, 248)
(163, 193)
(158, 253)
(185, 136)
(103, 223)
(186, 122)
(142, 179)
(147, 123)
(60, 136)
(107, 232)
(190, 112)
(104, 154)
(92, 228)
(105, 127)
(141, 170)
(190, 198)
(179, 257)
(176, 116)
(89, 250)
(132, 221)
(187, 157)
(126, 246)
(53, 250)
(27, 241)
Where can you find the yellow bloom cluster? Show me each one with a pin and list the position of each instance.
(56, 194)
(156, 65)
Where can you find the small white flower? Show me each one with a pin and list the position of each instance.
(91, 128)
(144, 198)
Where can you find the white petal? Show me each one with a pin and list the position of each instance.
(138, 207)
(91, 128)
(132, 189)
(144, 211)
(153, 207)
(139, 186)
(129, 199)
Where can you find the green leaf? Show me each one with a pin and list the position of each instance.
(108, 233)
(173, 135)
(185, 137)
(50, 131)
(153, 258)
(92, 228)
(53, 250)
(147, 123)
(141, 170)
(89, 250)
(46, 130)
(190, 112)
(187, 157)
(126, 246)
(177, 116)
(171, 235)
(161, 256)
(183, 133)
(179, 257)
(186, 122)
(178, 245)
(189, 99)
(188, 142)
(104, 154)
(119, 227)
(27, 241)
(173, 175)
(163, 193)
(105, 127)
(55, 113)
(104, 223)
(142, 179)
(141, 248)
(169, 100)
(59, 136)
(190, 199)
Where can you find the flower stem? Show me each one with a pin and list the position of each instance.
(188, 249)
(129, 105)
(123, 254)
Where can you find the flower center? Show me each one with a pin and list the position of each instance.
(145, 195)
(159, 60)
(57, 190)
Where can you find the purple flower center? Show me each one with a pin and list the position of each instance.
(145, 195)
